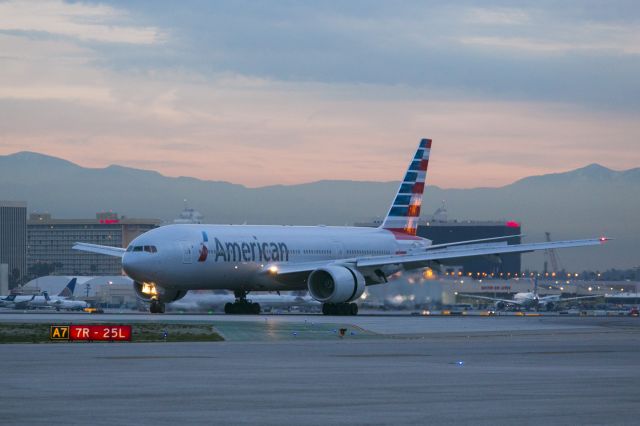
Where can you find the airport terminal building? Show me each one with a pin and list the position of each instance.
(49, 243)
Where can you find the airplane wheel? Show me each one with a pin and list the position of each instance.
(353, 309)
(157, 307)
(330, 309)
(342, 309)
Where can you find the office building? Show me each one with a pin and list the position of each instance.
(50, 242)
(13, 240)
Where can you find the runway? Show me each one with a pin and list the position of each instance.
(472, 370)
(384, 324)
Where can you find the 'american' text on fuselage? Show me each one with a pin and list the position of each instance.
(253, 251)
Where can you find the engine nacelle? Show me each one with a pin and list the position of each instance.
(550, 306)
(150, 291)
(500, 306)
(335, 284)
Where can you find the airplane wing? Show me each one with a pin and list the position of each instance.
(571, 299)
(481, 250)
(492, 299)
(428, 257)
(96, 248)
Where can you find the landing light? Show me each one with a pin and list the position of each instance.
(273, 269)
(149, 288)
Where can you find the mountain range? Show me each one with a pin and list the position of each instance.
(586, 202)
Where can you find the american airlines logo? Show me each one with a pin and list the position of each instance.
(252, 251)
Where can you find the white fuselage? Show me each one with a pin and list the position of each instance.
(67, 304)
(234, 257)
(14, 301)
(531, 299)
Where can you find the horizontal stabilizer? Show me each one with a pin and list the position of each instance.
(461, 243)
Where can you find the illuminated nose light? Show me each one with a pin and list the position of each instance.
(273, 269)
(150, 289)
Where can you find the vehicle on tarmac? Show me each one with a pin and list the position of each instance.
(333, 263)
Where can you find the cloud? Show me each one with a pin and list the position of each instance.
(259, 94)
(592, 37)
(497, 16)
(260, 132)
(77, 20)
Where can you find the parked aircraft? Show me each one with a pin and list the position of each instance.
(333, 263)
(16, 301)
(64, 300)
(532, 300)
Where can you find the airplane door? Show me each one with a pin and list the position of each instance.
(338, 251)
(187, 252)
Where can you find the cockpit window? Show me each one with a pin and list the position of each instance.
(148, 249)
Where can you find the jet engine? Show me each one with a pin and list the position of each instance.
(336, 284)
(150, 291)
(549, 306)
(500, 306)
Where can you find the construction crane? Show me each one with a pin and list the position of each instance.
(552, 256)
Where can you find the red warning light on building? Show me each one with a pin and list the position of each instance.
(109, 221)
(512, 224)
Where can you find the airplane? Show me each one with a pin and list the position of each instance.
(64, 300)
(531, 300)
(197, 301)
(67, 304)
(334, 263)
(16, 301)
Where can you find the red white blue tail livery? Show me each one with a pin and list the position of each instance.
(404, 213)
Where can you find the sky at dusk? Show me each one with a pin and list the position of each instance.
(285, 92)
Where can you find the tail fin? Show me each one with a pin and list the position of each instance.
(405, 211)
(69, 289)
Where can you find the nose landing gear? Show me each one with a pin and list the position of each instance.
(242, 305)
(156, 307)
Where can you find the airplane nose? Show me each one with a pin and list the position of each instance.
(131, 265)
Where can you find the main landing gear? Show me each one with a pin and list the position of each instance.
(340, 309)
(156, 307)
(241, 305)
